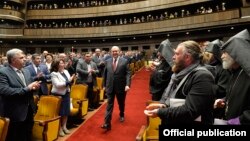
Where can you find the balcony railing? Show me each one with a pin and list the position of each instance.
(6, 33)
(169, 25)
(12, 15)
(109, 10)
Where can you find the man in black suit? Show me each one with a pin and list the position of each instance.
(16, 87)
(117, 77)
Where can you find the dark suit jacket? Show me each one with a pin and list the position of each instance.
(82, 70)
(46, 76)
(198, 92)
(16, 98)
(118, 79)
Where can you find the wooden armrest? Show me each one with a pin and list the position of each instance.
(44, 122)
(139, 136)
(96, 89)
(80, 101)
(151, 101)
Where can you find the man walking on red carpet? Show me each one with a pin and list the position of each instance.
(117, 78)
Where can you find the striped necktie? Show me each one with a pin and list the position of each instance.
(20, 74)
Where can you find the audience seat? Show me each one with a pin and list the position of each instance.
(132, 68)
(47, 119)
(4, 125)
(150, 132)
(36, 99)
(99, 81)
(49, 86)
(79, 101)
(137, 67)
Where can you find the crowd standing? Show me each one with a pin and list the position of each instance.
(212, 82)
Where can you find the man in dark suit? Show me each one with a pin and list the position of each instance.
(117, 77)
(16, 86)
(39, 72)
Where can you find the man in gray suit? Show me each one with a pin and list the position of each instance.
(16, 91)
(99, 60)
(117, 77)
(87, 72)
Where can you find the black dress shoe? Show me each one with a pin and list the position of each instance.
(106, 126)
(122, 119)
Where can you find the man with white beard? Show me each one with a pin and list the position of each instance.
(235, 57)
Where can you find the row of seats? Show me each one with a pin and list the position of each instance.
(47, 119)
(136, 66)
(150, 131)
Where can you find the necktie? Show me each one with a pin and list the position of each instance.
(38, 70)
(114, 64)
(20, 74)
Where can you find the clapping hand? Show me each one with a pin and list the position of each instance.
(34, 85)
(72, 77)
(219, 103)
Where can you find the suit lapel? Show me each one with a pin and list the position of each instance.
(33, 69)
(60, 76)
(17, 77)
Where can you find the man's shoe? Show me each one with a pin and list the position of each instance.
(122, 119)
(106, 126)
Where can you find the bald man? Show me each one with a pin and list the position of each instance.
(117, 77)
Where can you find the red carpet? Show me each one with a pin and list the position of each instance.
(134, 116)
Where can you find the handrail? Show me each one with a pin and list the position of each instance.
(10, 32)
(197, 21)
(126, 8)
(18, 1)
(12, 15)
